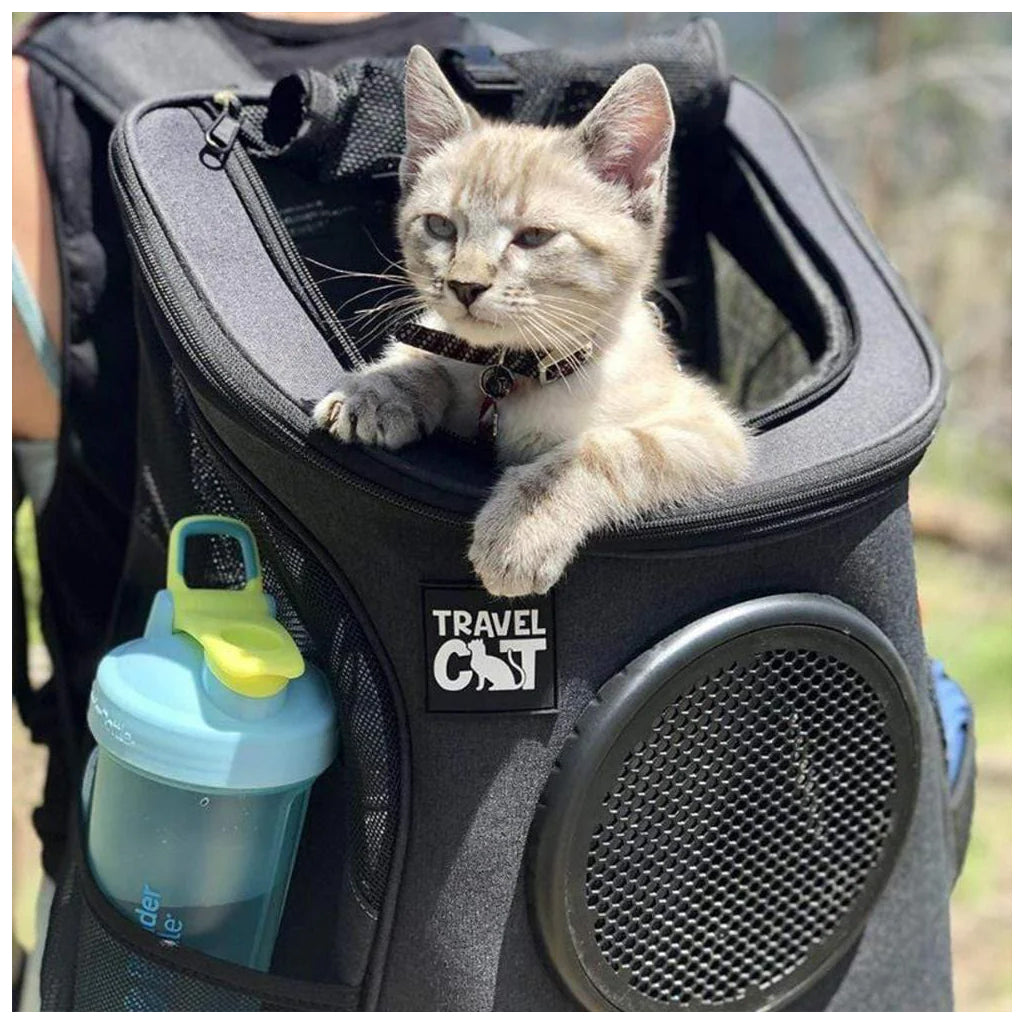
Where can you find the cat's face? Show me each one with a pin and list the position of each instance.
(532, 237)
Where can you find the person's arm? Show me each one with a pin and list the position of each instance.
(36, 405)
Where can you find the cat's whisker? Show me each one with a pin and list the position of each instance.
(567, 347)
(573, 326)
(339, 273)
(370, 322)
(536, 338)
(366, 317)
(556, 343)
(588, 318)
(343, 271)
(585, 329)
(567, 339)
(564, 311)
(349, 275)
(365, 294)
(402, 294)
(574, 300)
(386, 326)
(389, 262)
(399, 265)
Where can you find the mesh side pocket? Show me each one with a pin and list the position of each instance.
(111, 975)
(315, 612)
(98, 961)
(57, 976)
(86, 967)
(347, 848)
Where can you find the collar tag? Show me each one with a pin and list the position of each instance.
(496, 381)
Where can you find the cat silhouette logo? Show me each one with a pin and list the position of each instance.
(488, 654)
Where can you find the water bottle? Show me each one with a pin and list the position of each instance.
(210, 731)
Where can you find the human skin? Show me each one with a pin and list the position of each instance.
(35, 404)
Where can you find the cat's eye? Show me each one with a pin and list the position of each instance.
(440, 227)
(533, 238)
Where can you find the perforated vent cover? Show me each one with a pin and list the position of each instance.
(717, 831)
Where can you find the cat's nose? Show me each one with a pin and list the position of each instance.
(467, 292)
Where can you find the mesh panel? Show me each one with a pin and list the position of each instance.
(87, 968)
(314, 611)
(112, 976)
(761, 352)
(741, 829)
(213, 561)
(559, 88)
(56, 978)
(100, 964)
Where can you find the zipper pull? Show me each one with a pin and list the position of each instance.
(221, 135)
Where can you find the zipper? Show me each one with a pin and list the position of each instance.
(809, 506)
(245, 177)
(222, 134)
(770, 516)
(226, 387)
(783, 411)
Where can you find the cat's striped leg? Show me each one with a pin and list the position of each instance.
(540, 513)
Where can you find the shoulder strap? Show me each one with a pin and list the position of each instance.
(113, 61)
(31, 317)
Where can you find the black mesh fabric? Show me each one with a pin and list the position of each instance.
(113, 976)
(366, 102)
(88, 968)
(314, 611)
(97, 961)
(741, 829)
(761, 352)
(57, 976)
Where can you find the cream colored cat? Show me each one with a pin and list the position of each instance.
(544, 239)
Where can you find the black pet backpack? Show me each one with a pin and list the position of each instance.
(721, 783)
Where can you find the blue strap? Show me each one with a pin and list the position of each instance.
(957, 718)
(31, 317)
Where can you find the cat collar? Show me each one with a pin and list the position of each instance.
(496, 380)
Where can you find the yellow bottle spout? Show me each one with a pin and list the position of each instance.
(245, 647)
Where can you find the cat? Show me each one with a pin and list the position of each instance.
(524, 239)
(495, 671)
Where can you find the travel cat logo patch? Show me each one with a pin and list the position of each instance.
(488, 654)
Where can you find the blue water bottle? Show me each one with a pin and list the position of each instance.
(210, 731)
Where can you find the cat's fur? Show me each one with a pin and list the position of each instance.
(626, 434)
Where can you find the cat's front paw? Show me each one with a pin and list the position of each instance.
(374, 410)
(518, 549)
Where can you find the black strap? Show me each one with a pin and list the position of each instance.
(542, 366)
(481, 76)
(114, 61)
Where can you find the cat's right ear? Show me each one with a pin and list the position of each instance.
(433, 113)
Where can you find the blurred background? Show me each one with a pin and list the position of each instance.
(912, 112)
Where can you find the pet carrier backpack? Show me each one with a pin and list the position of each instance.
(722, 782)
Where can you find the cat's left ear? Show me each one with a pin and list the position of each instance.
(628, 135)
(433, 112)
